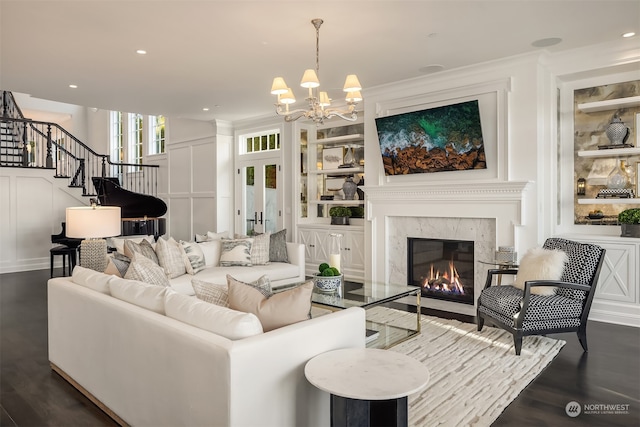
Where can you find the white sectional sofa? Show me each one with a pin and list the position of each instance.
(122, 344)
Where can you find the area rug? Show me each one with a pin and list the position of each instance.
(473, 375)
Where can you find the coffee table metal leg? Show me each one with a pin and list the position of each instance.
(347, 412)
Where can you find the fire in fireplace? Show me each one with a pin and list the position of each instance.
(442, 267)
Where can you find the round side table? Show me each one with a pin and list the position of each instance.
(368, 386)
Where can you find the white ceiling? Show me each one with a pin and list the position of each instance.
(224, 54)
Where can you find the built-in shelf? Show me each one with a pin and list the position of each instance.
(343, 171)
(340, 140)
(609, 201)
(609, 104)
(610, 152)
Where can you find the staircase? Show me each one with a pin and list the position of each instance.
(28, 143)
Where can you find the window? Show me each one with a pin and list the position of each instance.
(135, 138)
(156, 135)
(116, 142)
(269, 141)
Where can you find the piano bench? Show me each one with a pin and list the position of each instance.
(67, 253)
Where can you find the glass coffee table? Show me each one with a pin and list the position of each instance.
(379, 334)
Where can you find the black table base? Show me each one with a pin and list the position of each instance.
(347, 412)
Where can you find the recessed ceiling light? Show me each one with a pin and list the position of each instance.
(629, 34)
(73, 86)
(205, 109)
(546, 42)
(141, 52)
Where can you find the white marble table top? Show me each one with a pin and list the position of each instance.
(366, 373)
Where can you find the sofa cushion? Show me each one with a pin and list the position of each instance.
(211, 251)
(91, 279)
(141, 294)
(145, 270)
(144, 247)
(223, 321)
(280, 309)
(278, 247)
(211, 292)
(540, 264)
(170, 257)
(236, 252)
(195, 261)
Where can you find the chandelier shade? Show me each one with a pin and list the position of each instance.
(319, 104)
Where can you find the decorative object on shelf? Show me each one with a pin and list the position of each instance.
(618, 177)
(615, 193)
(596, 214)
(581, 189)
(629, 220)
(349, 159)
(349, 188)
(332, 158)
(93, 223)
(617, 131)
(326, 197)
(319, 101)
(506, 255)
(339, 215)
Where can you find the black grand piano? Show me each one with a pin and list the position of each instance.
(140, 212)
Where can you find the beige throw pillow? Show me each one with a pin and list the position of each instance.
(278, 310)
(147, 271)
(540, 264)
(211, 292)
(170, 257)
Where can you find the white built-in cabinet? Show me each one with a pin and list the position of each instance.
(323, 152)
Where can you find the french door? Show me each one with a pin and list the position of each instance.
(261, 189)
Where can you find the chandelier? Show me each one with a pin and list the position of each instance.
(319, 103)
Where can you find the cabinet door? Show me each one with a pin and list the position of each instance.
(307, 238)
(618, 279)
(353, 250)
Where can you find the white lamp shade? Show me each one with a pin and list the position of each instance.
(310, 79)
(324, 99)
(354, 96)
(93, 222)
(279, 86)
(288, 97)
(352, 84)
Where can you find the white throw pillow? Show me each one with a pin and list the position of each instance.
(223, 321)
(211, 251)
(170, 257)
(210, 236)
(541, 264)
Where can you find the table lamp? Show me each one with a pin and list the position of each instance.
(93, 223)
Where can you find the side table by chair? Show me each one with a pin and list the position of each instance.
(67, 254)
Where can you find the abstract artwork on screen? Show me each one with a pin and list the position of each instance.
(447, 138)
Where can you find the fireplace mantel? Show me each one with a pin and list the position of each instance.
(471, 191)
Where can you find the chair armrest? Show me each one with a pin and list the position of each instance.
(498, 272)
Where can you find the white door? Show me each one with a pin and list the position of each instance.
(261, 196)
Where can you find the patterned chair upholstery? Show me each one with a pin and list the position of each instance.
(523, 313)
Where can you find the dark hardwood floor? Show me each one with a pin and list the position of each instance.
(33, 395)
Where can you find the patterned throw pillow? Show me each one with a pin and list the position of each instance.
(236, 253)
(143, 248)
(211, 292)
(195, 261)
(170, 257)
(259, 248)
(211, 236)
(147, 271)
(278, 247)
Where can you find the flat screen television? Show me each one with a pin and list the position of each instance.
(447, 138)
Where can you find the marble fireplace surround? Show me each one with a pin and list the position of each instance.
(490, 214)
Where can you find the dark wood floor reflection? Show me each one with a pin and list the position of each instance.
(32, 395)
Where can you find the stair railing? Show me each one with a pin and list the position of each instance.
(48, 145)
